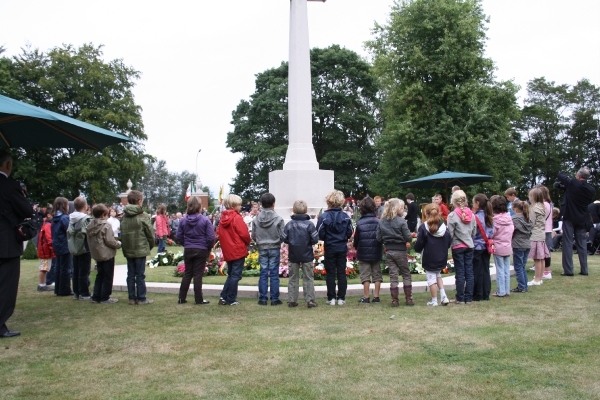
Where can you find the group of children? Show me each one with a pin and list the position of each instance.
(473, 235)
(73, 240)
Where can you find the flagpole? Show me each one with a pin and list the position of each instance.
(197, 154)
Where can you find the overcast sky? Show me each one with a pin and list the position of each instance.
(198, 59)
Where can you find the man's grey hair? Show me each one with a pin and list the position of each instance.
(584, 173)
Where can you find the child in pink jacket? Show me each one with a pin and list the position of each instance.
(503, 244)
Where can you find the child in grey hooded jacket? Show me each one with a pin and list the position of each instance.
(267, 231)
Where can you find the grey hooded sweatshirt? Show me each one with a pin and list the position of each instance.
(462, 227)
(267, 230)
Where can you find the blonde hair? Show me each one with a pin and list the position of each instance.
(390, 210)
(335, 198)
(232, 200)
(434, 220)
(459, 199)
(300, 207)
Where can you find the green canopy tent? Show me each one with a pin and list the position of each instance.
(24, 125)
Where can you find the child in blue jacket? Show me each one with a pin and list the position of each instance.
(60, 225)
(335, 228)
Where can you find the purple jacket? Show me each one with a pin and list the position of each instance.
(195, 231)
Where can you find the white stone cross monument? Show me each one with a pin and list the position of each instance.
(301, 178)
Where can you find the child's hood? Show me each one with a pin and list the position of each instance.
(132, 210)
(335, 220)
(464, 214)
(193, 219)
(502, 219)
(228, 217)
(267, 218)
(95, 226)
(440, 232)
(520, 222)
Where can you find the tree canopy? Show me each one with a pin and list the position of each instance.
(346, 122)
(443, 109)
(78, 83)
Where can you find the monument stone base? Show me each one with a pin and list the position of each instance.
(309, 185)
(203, 198)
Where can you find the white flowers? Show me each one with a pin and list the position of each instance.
(165, 260)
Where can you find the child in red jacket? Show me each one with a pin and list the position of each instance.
(235, 238)
(45, 252)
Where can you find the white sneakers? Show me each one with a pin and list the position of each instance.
(547, 275)
(331, 302)
(445, 301)
(341, 302)
(433, 303)
(534, 283)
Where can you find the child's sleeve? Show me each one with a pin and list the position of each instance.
(314, 236)
(349, 229)
(242, 229)
(320, 229)
(421, 239)
(284, 234)
(210, 234)
(378, 234)
(109, 239)
(148, 231)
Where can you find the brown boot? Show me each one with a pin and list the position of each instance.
(394, 293)
(408, 295)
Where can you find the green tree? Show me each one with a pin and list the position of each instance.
(443, 109)
(78, 83)
(345, 123)
(559, 129)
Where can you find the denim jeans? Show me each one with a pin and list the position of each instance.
(62, 275)
(104, 280)
(520, 261)
(81, 274)
(567, 249)
(335, 266)
(502, 274)
(50, 275)
(136, 284)
(161, 245)
(269, 268)
(234, 275)
(463, 267)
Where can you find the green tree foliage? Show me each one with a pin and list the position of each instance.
(559, 129)
(78, 83)
(345, 123)
(443, 108)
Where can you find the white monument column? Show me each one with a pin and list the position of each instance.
(301, 178)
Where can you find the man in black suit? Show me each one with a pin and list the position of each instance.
(14, 206)
(412, 212)
(578, 194)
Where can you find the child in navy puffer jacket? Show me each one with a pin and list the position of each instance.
(64, 263)
(368, 249)
(335, 228)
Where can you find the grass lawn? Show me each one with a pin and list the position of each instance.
(537, 345)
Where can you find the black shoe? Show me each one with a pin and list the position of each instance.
(581, 273)
(292, 304)
(517, 290)
(376, 300)
(8, 334)
(222, 302)
(565, 274)
(276, 302)
(364, 300)
(181, 301)
(262, 302)
(45, 288)
(202, 303)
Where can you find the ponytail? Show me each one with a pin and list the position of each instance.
(432, 211)
(486, 207)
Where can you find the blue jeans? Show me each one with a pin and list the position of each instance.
(161, 245)
(234, 275)
(269, 268)
(136, 284)
(520, 261)
(502, 274)
(463, 267)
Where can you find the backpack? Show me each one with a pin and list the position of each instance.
(76, 237)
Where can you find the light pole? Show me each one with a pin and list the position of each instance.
(197, 176)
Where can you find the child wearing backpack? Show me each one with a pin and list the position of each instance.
(78, 247)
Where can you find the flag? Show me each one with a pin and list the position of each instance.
(221, 194)
(188, 192)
